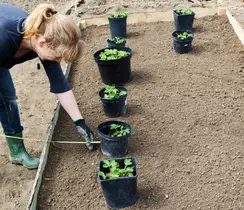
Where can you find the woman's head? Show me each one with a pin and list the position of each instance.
(56, 35)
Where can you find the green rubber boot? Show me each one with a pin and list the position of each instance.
(18, 153)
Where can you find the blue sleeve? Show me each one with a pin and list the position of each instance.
(58, 81)
(6, 49)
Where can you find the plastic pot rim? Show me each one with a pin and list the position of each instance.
(119, 178)
(108, 40)
(112, 42)
(182, 40)
(193, 13)
(118, 18)
(109, 122)
(96, 54)
(117, 99)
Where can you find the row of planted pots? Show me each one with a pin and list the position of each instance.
(118, 176)
(183, 34)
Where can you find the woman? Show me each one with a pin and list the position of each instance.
(52, 37)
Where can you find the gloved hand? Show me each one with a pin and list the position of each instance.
(85, 132)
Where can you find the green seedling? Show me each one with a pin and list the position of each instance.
(184, 35)
(184, 11)
(112, 54)
(111, 92)
(117, 40)
(115, 171)
(118, 130)
(119, 15)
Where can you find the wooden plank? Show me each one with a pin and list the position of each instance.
(145, 17)
(236, 26)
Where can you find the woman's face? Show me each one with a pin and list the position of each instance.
(46, 53)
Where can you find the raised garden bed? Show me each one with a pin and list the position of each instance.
(187, 116)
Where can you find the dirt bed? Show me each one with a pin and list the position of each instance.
(186, 113)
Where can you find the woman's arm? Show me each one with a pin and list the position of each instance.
(68, 102)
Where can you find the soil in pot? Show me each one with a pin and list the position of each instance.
(183, 19)
(118, 180)
(114, 137)
(113, 100)
(114, 65)
(117, 23)
(182, 41)
(116, 42)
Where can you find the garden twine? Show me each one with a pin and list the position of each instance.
(60, 142)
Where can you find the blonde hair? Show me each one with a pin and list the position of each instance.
(59, 31)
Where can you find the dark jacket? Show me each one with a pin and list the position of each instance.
(11, 24)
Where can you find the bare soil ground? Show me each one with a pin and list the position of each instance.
(186, 117)
(36, 105)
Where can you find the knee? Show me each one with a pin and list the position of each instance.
(8, 97)
(8, 101)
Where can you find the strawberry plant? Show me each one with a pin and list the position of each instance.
(115, 171)
(116, 130)
(119, 15)
(117, 40)
(112, 54)
(184, 11)
(111, 92)
(184, 35)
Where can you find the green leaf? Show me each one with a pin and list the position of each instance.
(122, 172)
(127, 131)
(122, 53)
(114, 126)
(127, 162)
(113, 163)
(129, 170)
(102, 175)
(117, 171)
(113, 168)
(121, 93)
(112, 176)
(106, 164)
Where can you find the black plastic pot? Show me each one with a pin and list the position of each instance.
(113, 146)
(182, 46)
(114, 72)
(114, 107)
(183, 22)
(119, 192)
(118, 26)
(113, 44)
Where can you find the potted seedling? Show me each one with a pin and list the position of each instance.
(116, 41)
(182, 41)
(114, 100)
(183, 19)
(118, 180)
(114, 65)
(114, 137)
(117, 23)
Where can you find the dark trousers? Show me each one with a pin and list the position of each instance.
(9, 112)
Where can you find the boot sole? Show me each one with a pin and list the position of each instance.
(21, 163)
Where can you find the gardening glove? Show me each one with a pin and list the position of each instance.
(85, 132)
